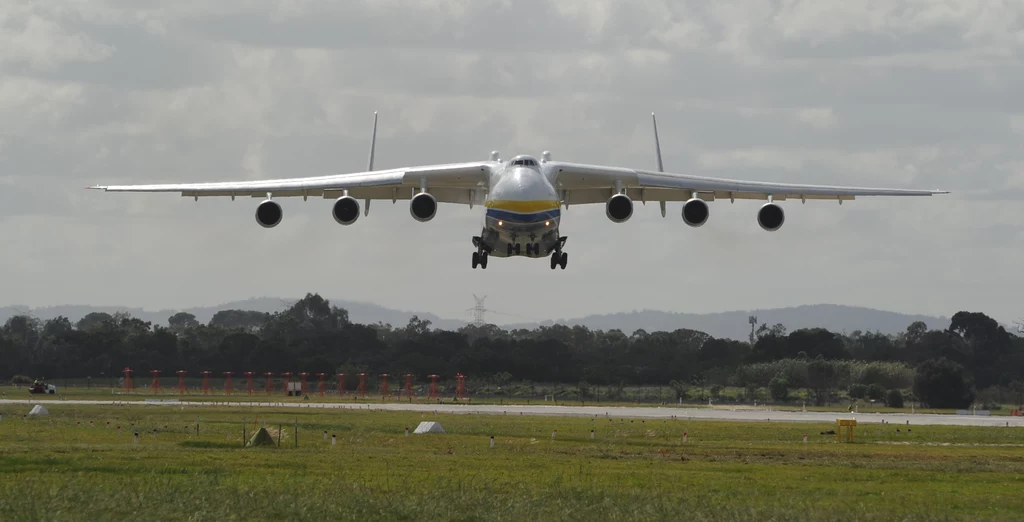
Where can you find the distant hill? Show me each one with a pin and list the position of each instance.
(358, 312)
(736, 325)
(733, 325)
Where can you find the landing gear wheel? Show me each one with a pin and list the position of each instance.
(564, 260)
(518, 248)
(483, 261)
(529, 249)
(554, 260)
(510, 250)
(476, 259)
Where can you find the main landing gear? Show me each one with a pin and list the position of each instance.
(480, 259)
(481, 254)
(558, 257)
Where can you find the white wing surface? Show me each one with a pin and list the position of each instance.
(449, 183)
(582, 184)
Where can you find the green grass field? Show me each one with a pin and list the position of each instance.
(61, 468)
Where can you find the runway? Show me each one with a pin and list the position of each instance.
(720, 413)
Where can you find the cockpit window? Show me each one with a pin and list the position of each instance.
(524, 162)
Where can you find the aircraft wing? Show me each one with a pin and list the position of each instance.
(449, 183)
(582, 184)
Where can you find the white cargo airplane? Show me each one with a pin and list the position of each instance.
(522, 196)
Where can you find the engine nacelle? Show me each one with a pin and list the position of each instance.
(695, 212)
(423, 207)
(269, 214)
(771, 217)
(619, 208)
(345, 210)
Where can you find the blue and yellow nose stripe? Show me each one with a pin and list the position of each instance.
(523, 211)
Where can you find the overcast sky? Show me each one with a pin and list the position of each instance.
(888, 93)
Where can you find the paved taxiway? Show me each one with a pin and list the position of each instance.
(665, 412)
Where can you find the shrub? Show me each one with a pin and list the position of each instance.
(858, 391)
(876, 392)
(942, 383)
(894, 399)
(779, 388)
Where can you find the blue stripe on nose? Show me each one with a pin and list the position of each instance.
(530, 217)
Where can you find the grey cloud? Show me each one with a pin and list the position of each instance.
(139, 59)
(521, 26)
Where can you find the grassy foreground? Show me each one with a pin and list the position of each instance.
(61, 468)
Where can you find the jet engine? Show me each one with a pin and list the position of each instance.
(423, 207)
(771, 217)
(345, 210)
(619, 208)
(269, 214)
(695, 212)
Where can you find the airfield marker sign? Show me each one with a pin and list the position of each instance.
(849, 424)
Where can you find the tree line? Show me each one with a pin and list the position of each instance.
(973, 358)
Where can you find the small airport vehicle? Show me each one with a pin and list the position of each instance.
(42, 387)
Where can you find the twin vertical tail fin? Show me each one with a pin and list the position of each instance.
(657, 143)
(657, 152)
(373, 142)
(369, 163)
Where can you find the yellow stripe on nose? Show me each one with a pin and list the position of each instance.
(523, 206)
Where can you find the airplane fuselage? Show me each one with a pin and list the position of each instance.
(522, 212)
